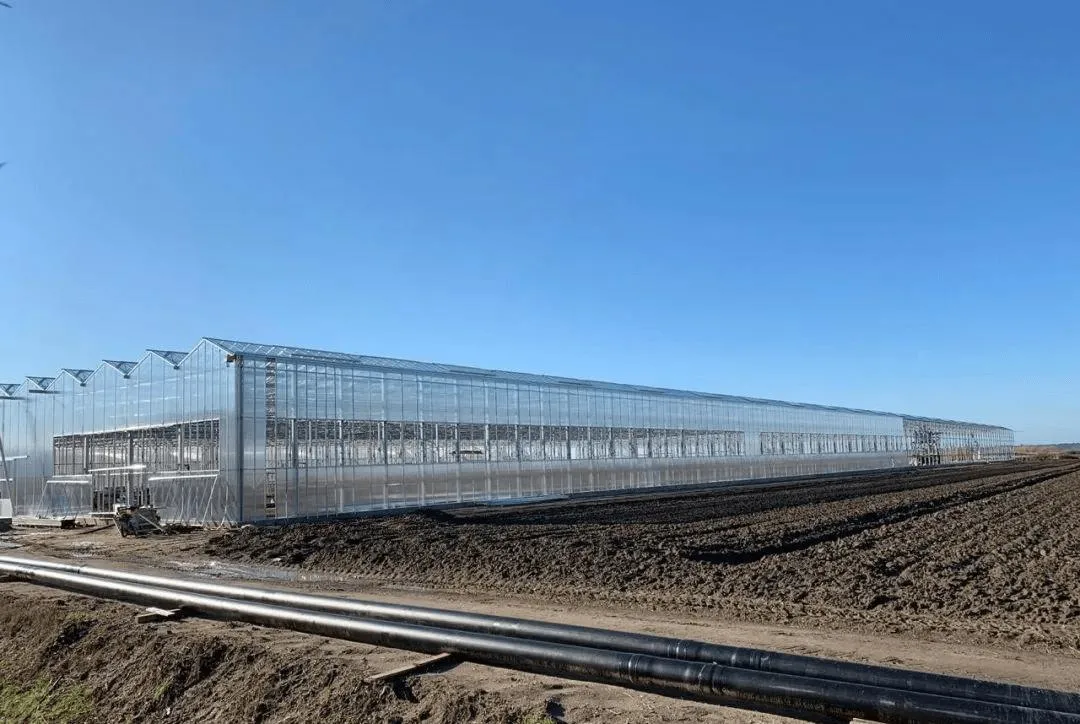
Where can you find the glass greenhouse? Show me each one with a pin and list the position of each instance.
(235, 432)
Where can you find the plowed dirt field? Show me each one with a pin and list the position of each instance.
(979, 554)
(973, 571)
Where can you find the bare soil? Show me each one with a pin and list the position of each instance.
(97, 665)
(66, 659)
(985, 554)
(972, 571)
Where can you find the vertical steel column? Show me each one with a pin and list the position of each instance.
(3, 462)
(130, 461)
(294, 468)
(543, 441)
(239, 451)
(180, 447)
(340, 444)
(570, 420)
(294, 447)
(270, 453)
(487, 440)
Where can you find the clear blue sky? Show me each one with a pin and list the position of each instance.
(873, 204)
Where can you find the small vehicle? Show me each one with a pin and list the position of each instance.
(137, 520)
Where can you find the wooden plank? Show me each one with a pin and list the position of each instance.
(414, 668)
(153, 615)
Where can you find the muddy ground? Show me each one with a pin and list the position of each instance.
(986, 554)
(972, 571)
(67, 660)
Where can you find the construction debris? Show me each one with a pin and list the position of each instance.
(156, 615)
(419, 667)
(137, 520)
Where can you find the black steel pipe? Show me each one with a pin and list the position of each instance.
(702, 681)
(664, 647)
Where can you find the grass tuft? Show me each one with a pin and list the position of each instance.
(45, 702)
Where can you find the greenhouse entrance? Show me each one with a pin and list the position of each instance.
(166, 466)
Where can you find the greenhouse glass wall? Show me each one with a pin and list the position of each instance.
(234, 432)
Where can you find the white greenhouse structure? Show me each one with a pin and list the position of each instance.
(234, 432)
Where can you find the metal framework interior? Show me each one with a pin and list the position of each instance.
(233, 432)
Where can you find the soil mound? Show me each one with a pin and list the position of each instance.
(68, 660)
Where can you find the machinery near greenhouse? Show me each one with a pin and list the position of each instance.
(137, 520)
(925, 446)
(928, 448)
